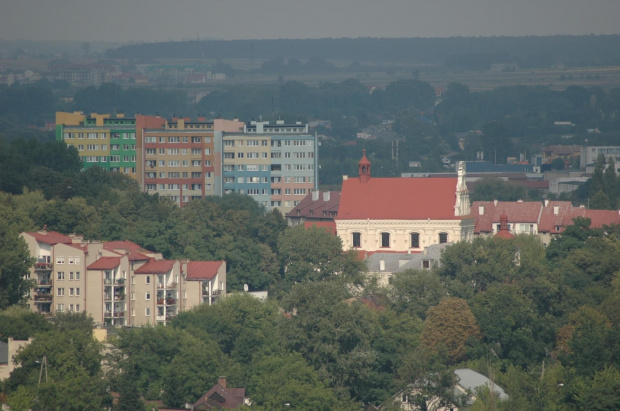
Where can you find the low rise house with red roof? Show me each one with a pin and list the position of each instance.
(205, 281)
(117, 282)
(403, 214)
(545, 219)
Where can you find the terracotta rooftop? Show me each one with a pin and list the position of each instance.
(551, 217)
(398, 199)
(51, 237)
(105, 263)
(220, 396)
(203, 270)
(156, 267)
(135, 251)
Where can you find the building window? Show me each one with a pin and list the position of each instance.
(77, 292)
(133, 312)
(71, 291)
(415, 240)
(61, 292)
(147, 296)
(133, 296)
(77, 275)
(77, 308)
(60, 260)
(70, 275)
(147, 279)
(357, 239)
(426, 264)
(147, 312)
(385, 240)
(61, 275)
(443, 238)
(60, 308)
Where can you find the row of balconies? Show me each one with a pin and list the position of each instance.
(205, 292)
(166, 301)
(115, 314)
(117, 297)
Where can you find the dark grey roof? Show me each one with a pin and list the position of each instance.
(4, 353)
(489, 167)
(470, 380)
(397, 262)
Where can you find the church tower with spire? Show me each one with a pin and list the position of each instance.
(364, 168)
(462, 207)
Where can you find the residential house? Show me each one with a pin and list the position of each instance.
(315, 207)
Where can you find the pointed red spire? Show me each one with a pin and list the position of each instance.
(504, 232)
(364, 168)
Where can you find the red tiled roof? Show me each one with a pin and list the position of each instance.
(517, 212)
(550, 219)
(135, 250)
(203, 270)
(328, 225)
(51, 237)
(105, 263)
(600, 218)
(398, 199)
(156, 267)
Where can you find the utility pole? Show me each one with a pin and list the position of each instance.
(43, 365)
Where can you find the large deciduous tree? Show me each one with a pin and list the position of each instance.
(15, 263)
(448, 326)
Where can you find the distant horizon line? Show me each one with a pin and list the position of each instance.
(131, 42)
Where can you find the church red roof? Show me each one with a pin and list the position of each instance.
(398, 199)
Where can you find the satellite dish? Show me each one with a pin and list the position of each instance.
(245, 288)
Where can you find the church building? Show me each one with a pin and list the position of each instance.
(403, 214)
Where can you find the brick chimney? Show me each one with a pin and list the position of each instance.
(222, 381)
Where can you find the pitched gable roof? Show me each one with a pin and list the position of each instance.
(203, 270)
(310, 208)
(156, 267)
(51, 237)
(105, 263)
(398, 199)
(221, 397)
(135, 251)
(487, 213)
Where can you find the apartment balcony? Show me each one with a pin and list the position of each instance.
(214, 293)
(170, 301)
(43, 298)
(119, 297)
(107, 314)
(107, 281)
(163, 286)
(41, 267)
(46, 314)
(160, 301)
(119, 314)
(107, 297)
(119, 281)
(45, 282)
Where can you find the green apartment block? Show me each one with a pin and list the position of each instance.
(101, 140)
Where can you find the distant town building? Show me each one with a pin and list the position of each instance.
(403, 214)
(318, 206)
(589, 155)
(100, 139)
(275, 163)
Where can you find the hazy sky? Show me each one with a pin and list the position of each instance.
(161, 20)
